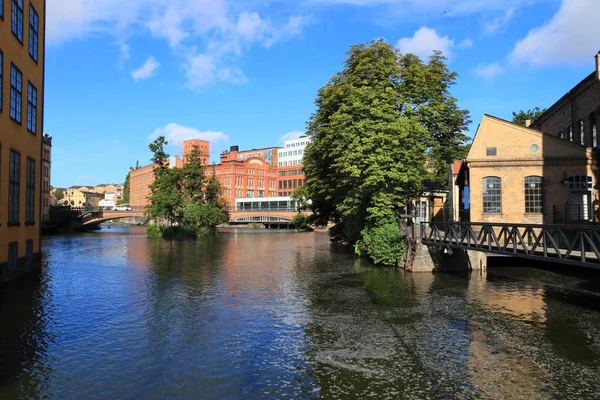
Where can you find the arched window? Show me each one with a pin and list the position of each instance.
(570, 130)
(534, 189)
(492, 195)
(581, 133)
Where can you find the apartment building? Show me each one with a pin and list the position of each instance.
(22, 58)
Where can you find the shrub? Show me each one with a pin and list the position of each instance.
(383, 244)
(153, 230)
(203, 231)
(300, 221)
(179, 232)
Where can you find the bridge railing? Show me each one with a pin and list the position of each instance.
(578, 243)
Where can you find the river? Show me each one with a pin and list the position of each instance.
(251, 314)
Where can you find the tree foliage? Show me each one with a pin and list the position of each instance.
(521, 116)
(182, 196)
(59, 194)
(376, 123)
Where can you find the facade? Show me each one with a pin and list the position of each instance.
(545, 173)
(108, 202)
(46, 163)
(521, 175)
(188, 146)
(139, 186)
(269, 154)
(290, 174)
(81, 198)
(22, 60)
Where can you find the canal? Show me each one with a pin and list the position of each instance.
(253, 314)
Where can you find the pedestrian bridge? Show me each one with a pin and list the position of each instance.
(567, 244)
(262, 216)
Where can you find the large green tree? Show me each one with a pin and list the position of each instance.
(519, 117)
(425, 92)
(376, 122)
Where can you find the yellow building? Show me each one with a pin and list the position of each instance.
(81, 198)
(46, 160)
(521, 175)
(22, 38)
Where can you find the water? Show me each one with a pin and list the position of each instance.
(268, 314)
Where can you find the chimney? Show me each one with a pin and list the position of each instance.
(598, 65)
(527, 123)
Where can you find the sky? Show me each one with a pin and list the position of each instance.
(246, 72)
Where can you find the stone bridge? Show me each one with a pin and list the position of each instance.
(112, 215)
(262, 216)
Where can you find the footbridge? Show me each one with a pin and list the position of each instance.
(567, 244)
(262, 216)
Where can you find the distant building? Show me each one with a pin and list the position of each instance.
(290, 175)
(81, 198)
(108, 202)
(46, 164)
(22, 63)
(139, 186)
(269, 154)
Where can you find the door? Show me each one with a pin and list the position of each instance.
(420, 211)
(578, 208)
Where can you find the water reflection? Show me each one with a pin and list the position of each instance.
(248, 314)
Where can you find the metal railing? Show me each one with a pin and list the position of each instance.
(573, 214)
(573, 244)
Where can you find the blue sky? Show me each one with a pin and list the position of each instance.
(246, 72)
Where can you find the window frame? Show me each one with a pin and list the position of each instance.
(487, 197)
(1, 78)
(35, 29)
(1, 10)
(13, 256)
(18, 12)
(581, 133)
(19, 92)
(30, 192)
(570, 132)
(594, 130)
(32, 107)
(14, 186)
(534, 196)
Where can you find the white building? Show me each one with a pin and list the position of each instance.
(108, 201)
(292, 152)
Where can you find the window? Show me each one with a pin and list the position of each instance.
(29, 252)
(570, 130)
(34, 26)
(534, 186)
(31, 108)
(13, 187)
(581, 133)
(16, 90)
(30, 193)
(594, 130)
(17, 19)
(490, 151)
(580, 182)
(13, 255)
(1, 73)
(492, 195)
(1, 9)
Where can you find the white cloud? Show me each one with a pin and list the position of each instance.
(424, 42)
(466, 43)
(499, 22)
(177, 134)
(291, 135)
(147, 70)
(489, 71)
(570, 37)
(208, 36)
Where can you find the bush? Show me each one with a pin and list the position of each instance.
(179, 232)
(300, 221)
(153, 230)
(203, 231)
(383, 244)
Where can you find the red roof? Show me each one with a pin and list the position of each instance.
(456, 166)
